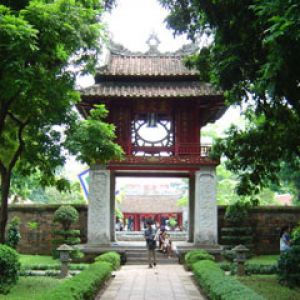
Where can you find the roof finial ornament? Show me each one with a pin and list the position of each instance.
(153, 43)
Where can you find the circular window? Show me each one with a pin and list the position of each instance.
(153, 134)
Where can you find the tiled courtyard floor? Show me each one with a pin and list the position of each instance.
(136, 282)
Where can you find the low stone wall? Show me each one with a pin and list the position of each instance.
(38, 241)
(265, 221)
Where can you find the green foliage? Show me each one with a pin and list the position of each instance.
(43, 267)
(261, 269)
(269, 288)
(32, 225)
(29, 187)
(13, 233)
(118, 213)
(236, 215)
(26, 259)
(219, 286)
(66, 215)
(237, 212)
(70, 232)
(45, 45)
(182, 202)
(30, 287)
(253, 70)
(172, 222)
(112, 258)
(251, 269)
(289, 262)
(82, 286)
(93, 138)
(9, 268)
(264, 260)
(193, 256)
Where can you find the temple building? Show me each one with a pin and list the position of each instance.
(158, 107)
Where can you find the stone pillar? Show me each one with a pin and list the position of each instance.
(206, 213)
(112, 206)
(191, 213)
(99, 222)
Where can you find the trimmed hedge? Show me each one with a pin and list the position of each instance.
(84, 285)
(195, 255)
(218, 286)
(251, 269)
(43, 267)
(112, 258)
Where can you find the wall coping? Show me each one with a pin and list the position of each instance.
(43, 207)
(266, 209)
(83, 207)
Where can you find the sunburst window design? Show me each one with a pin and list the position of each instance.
(152, 135)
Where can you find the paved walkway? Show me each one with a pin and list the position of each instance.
(167, 282)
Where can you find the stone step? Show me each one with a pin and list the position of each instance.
(137, 255)
(144, 260)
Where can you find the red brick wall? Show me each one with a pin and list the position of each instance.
(38, 241)
(265, 221)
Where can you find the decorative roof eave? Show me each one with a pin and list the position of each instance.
(182, 89)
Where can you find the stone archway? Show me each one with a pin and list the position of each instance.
(203, 226)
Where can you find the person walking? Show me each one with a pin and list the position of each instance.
(151, 244)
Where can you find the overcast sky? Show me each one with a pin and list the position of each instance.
(132, 22)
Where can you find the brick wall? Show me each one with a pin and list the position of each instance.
(38, 241)
(265, 221)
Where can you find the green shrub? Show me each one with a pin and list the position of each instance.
(218, 286)
(261, 269)
(9, 268)
(172, 222)
(13, 233)
(237, 212)
(112, 258)
(251, 269)
(66, 215)
(70, 232)
(195, 255)
(82, 286)
(289, 266)
(44, 267)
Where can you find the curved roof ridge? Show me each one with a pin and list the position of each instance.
(118, 49)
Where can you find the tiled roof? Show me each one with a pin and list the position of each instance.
(150, 204)
(146, 65)
(153, 89)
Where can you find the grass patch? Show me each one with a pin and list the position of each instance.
(31, 288)
(268, 287)
(37, 260)
(264, 260)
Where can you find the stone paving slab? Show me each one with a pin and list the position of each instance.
(136, 282)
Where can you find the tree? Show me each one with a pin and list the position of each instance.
(253, 57)
(44, 44)
(227, 181)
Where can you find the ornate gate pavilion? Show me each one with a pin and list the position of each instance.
(158, 107)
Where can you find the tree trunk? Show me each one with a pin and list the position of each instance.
(5, 185)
